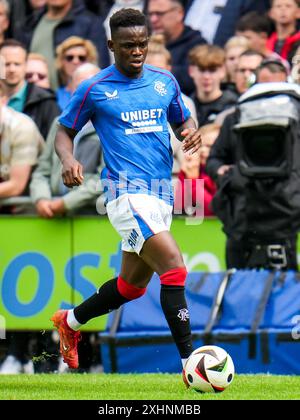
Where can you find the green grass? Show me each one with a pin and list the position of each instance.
(141, 387)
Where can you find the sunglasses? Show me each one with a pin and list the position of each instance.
(40, 76)
(70, 57)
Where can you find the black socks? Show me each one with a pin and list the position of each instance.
(105, 300)
(174, 306)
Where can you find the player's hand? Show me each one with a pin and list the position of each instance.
(72, 173)
(192, 140)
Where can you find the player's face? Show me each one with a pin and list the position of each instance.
(130, 46)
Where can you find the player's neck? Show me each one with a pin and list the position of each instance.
(136, 75)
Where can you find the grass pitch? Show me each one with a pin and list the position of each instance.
(141, 387)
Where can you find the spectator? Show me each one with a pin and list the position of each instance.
(286, 38)
(271, 71)
(217, 19)
(71, 54)
(193, 168)
(159, 56)
(21, 144)
(37, 71)
(166, 17)
(47, 191)
(4, 19)
(100, 8)
(20, 10)
(38, 103)
(52, 199)
(234, 47)
(222, 168)
(256, 28)
(57, 22)
(245, 72)
(295, 72)
(207, 69)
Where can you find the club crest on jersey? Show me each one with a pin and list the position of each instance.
(111, 96)
(160, 88)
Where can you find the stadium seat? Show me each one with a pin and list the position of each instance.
(249, 313)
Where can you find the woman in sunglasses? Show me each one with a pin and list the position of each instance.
(70, 54)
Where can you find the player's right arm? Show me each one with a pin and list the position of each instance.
(74, 117)
(72, 171)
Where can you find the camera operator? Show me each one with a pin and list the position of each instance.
(255, 211)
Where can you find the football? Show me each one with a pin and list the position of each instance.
(208, 369)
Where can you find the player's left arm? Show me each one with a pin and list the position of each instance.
(188, 134)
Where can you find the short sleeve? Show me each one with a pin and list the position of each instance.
(177, 111)
(79, 110)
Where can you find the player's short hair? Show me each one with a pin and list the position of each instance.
(207, 56)
(127, 18)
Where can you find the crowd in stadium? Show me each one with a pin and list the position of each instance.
(216, 49)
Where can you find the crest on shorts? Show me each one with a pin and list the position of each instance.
(160, 87)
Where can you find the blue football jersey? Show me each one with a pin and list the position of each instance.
(130, 117)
